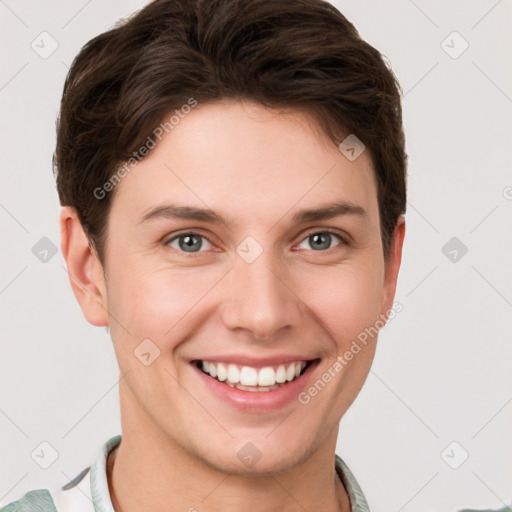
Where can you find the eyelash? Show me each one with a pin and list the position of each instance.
(343, 240)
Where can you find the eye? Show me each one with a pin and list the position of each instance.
(188, 242)
(321, 240)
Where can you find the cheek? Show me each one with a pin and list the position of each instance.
(347, 299)
(155, 303)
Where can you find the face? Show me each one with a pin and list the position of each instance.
(264, 290)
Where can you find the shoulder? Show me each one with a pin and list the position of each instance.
(74, 496)
(504, 509)
(86, 492)
(38, 500)
(357, 498)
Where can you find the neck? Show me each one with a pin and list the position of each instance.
(150, 471)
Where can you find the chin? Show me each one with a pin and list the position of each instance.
(258, 456)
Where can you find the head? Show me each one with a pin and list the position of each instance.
(238, 109)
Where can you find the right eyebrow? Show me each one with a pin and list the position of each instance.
(322, 212)
(174, 211)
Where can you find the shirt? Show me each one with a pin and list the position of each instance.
(88, 491)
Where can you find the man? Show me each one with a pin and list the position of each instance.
(233, 182)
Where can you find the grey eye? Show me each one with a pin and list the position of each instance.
(188, 242)
(321, 240)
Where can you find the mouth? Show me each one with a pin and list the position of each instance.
(255, 387)
(250, 378)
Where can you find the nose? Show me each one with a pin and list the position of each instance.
(259, 299)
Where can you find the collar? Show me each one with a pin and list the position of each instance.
(100, 495)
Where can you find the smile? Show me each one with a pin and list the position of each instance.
(248, 378)
(255, 385)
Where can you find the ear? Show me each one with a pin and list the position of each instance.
(392, 265)
(84, 268)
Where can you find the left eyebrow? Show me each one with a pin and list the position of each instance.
(323, 212)
(329, 211)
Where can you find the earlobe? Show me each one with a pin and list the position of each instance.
(84, 268)
(392, 266)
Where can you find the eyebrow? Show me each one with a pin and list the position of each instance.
(323, 212)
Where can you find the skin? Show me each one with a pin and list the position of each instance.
(258, 168)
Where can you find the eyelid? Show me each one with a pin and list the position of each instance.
(179, 234)
(342, 235)
(344, 238)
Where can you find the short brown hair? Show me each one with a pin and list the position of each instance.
(284, 54)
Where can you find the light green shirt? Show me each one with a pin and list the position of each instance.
(88, 491)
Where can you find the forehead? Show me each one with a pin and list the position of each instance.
(242, 159)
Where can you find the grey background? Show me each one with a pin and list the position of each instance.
(442, 371)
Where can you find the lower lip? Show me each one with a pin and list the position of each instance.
(258, 401)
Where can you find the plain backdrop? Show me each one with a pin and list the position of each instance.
(441, 385)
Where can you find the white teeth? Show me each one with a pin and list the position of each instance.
(281, 374)
(264, 379)
(256, 388)
(222, 373)
(233, 374)
(290, 372)
(266, 376)
(248, 376)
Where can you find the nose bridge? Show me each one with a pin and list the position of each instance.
(259, 299)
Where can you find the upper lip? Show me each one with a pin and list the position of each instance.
(255, 362)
